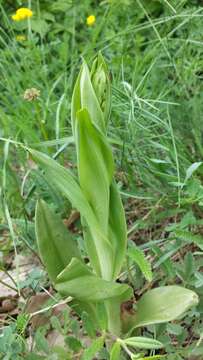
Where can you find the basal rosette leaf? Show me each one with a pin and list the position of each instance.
(86, 288)
(163, 304)
(56, 245)
(78, 281)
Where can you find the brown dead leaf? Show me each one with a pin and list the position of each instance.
(35, 303)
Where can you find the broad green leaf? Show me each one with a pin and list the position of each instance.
(164, 304)
(67, 183)
(95, 166)
(93, 349)
(55, 243)
(139, 258)
(75, 268)
(115, 351)
(78, 281)
(141, 342)
(117, 228)
(101, 84)
(95, 163)
(64, 180)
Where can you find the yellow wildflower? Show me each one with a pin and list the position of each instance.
(22, 14)
(91, 20)
(20, 37)
(15, 17)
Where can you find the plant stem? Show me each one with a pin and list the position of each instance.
(113, 313)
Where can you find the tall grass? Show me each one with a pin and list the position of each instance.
(154, 52)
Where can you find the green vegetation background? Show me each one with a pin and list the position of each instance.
(154, 50)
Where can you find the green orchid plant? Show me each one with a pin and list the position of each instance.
(93, 286)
